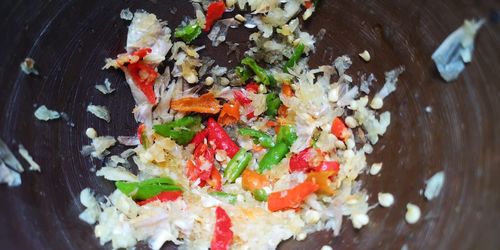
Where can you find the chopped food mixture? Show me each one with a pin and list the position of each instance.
(242, 157)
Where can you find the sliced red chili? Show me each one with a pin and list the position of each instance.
(141, 53)
(162, 197)
(339, 129)
(218, 136)
(140, 132)
(241, 98)
(199, 137)
(144, 77)
(252, 87)
(214, 12)
(223, 236)
(300, 161)
(327, 166)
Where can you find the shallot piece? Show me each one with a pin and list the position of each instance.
(456, 50)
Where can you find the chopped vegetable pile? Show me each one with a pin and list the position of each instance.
(240, 158)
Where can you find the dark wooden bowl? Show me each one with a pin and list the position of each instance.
(70, 39)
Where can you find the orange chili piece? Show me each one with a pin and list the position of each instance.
(204, 104)
(323, 181)
(229, 114)
(339, 129)
(291, 198)
(287, 90)
(215, 180)
(282, 111)
(251, 180)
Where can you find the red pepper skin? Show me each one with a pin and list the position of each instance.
(241, 98)
(141, 53)
(214, 13)
(291, 198)
(137, 72)
(223, 236)
(327, 166)
(140, 131)
(192, 171)
(162, 197)
(339, 129)
(300, 161)
(204, 155)
(252, 87)
(308, 4)
(250, 115)
(215, 180)
(218, 136)
(199, 138)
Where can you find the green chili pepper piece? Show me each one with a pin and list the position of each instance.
(273, 156)
(243, 73)
(181, 130)
(237, 164)
(263, 139)
(260, 194)
(231, 198)
(146, 189)
(273, 103)
(287, 135)
(297, 53)
(264, 76)
(145, 140)
(188, 32)
(159, 181)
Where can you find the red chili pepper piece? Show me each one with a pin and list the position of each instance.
(199, 138)
(300, 161)
(144, 77)
(308, 4)
(204, 161)
(141, 53)
(250, 115)
(215, 180)
(241, 98)
(252, 87)
(222, 233)
(339, 129)
(218, 136)
(162, 197)
(214, 13)
(192, 171)
(140, 132)
(327, 166)
(291, 198)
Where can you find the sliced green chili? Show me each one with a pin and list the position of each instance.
(273, 103)
(273, 156)
(147, 189)
(262, 138)
(297, 53)
(263, 75)
(237, 164)
(188, 32)
(243, 73)
(287, 134)
(231, 198)
(181, 130)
